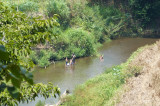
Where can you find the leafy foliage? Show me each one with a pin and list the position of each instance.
(76, 41)
(81, 42)
(100, 22)
(59, 7)
(18, 33)
(86, 26)
(28, 6)
(145, 11)
(28, 93)
(23, 5)
(113, 29)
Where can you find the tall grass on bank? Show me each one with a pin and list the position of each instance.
(105, 89)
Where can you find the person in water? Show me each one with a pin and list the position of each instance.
(101, 58)
(71, 61)
(73, 58)
(67, 63)
(66, 60)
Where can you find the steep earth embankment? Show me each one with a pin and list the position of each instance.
(144, 90)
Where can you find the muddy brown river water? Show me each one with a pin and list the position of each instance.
(115, 52)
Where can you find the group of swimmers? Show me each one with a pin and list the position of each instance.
(72, 60)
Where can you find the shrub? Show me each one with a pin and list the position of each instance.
(75, 40)
(90, 19)
(43, 62)
(34, 57)
(81, 41)
(43, 57)
(59, 7)
(28, 6)
(110, 11)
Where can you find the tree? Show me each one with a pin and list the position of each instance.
(18, 33)
(145, 11)
(112, 29)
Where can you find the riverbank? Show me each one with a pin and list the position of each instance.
(145, 88)
(107, 88)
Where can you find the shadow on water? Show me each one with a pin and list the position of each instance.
(114, 53)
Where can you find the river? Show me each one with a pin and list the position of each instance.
(115, 52)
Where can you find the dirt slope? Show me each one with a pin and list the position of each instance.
(144, 90)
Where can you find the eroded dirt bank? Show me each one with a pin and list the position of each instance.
(144, 90)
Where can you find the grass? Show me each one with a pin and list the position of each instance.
(106, 88)
(99, 90)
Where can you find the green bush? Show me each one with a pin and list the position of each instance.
(43, 62)
(145, 11)
(59, 7)
(96, 23)
(43, 57)
(34, 57)
(28, 6)
(73, 40)
(110, 11)
(81, 42)
(90, 19)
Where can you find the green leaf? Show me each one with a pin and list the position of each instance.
(15, 69)
(4, 56)
(2, 87)
(27, 76)
(15, 27)
(14, 92)
(8, 77)
(16, 82)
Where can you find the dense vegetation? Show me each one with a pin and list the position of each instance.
(146, 12)
(95, 21)
(84, 26)
(18, 33)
